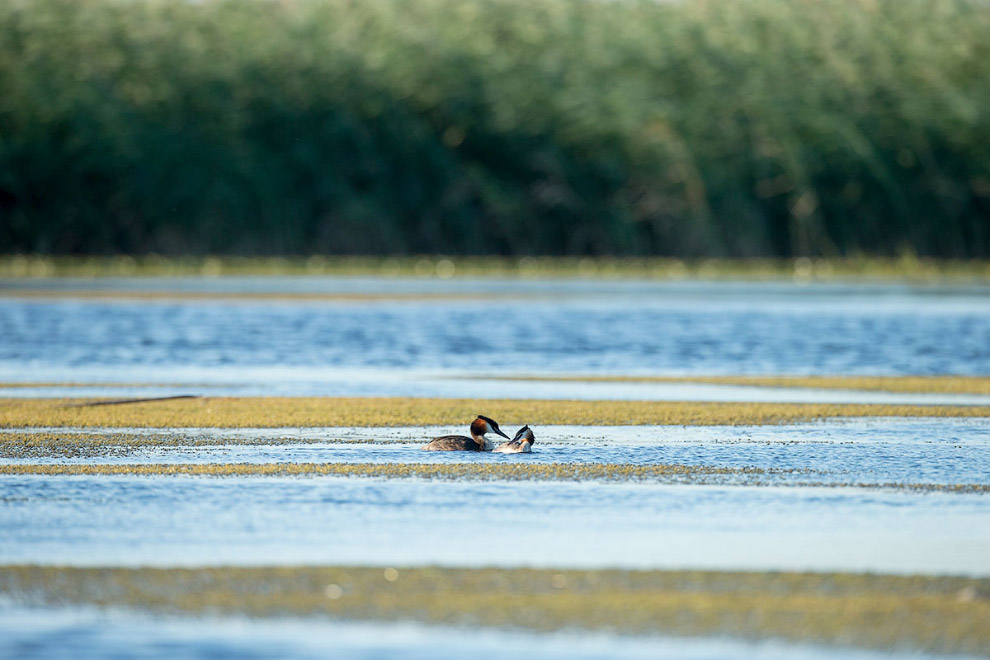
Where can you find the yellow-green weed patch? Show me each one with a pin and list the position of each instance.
(52, 444)
(425, 266)
(273, 412)
(656, 474)
(937, 614)
(249, 296)
(443, 471)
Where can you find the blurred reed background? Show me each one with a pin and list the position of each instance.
(775, 128)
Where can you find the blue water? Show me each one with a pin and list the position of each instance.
(170, 521)
(870, 451)
(279, 346)
(592, 327)
(82, 633)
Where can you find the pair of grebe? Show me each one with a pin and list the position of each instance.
(520, 444)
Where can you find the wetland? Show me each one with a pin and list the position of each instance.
(722, 469)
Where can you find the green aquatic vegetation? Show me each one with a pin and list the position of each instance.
(850, 269)
(269, 412)
(927, 384)
(605, 472)
(935, 614)
(249, 296)
(441, 471)
(768, 127)
(49, 444)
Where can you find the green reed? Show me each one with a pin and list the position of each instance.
(767, 127)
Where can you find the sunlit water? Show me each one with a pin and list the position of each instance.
(76, 633)
(871, 451)
(443, 348)
(416, 347)
(250, 520)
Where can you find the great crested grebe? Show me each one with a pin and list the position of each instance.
(477, 442)
(521, 444)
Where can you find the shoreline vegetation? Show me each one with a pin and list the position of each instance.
(935, 614)
(499, 127)
(273, 412)
(908, 267)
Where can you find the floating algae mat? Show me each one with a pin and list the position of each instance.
(383, 412)
(450, 471)
(53, 444)
(660, 474)
(944, 614)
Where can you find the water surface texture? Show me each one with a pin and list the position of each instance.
(942, 451)
(412, 346)
(77, 632)
(169, 521)
(408, 337)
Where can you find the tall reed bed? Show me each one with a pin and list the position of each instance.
(749, 128)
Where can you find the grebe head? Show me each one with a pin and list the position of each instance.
(483, 425)
(524, 435)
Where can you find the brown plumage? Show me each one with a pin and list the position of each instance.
(477, 442)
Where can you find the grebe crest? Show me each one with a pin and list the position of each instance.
(522, 443)
(477, 442)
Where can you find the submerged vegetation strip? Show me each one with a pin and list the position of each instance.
(443, 267)
(699, 475)
(444, 471)
(53, 444)
(282, 296)
(938, 614)
(271, 412)
(920, 384)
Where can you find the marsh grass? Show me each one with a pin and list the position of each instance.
(269, 412)
(767, 127)
(935, 614)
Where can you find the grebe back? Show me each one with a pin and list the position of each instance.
(477, 442)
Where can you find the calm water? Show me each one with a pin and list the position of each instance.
(76, 633)
(171, 521)
(891, 450)
(282, 347)
(441, 348)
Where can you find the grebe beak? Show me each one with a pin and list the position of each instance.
(499, 431)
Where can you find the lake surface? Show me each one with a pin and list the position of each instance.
(76, 633)
(194, 521)
(426, 347)
(171, 520)
(878, 451)
(456, 342)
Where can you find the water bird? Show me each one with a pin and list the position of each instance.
(477, 442)
(521, 444)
